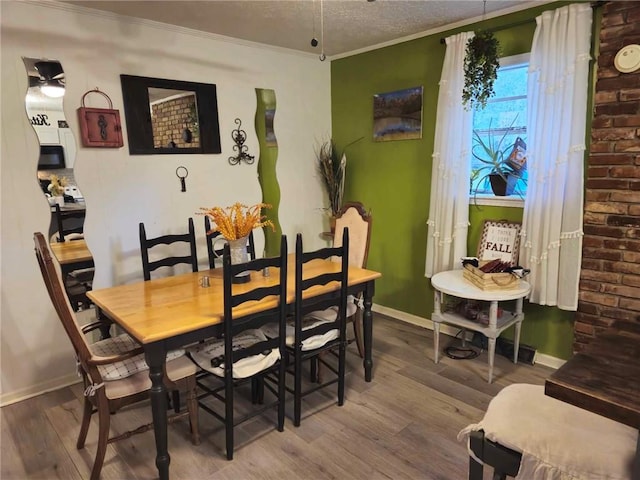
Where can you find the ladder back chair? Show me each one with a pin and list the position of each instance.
(217, 252)
(70, 224)
(245, 355)
(319, 323)
(147, 244)
(355, 217)
(113, 371)
(70, 227)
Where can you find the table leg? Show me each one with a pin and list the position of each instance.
(436, 342)
(367, 325)
(635, 472)
(105, 328)
(516, 339)
(492, 355)
(155, 355)
(437, 310)
(493, 324)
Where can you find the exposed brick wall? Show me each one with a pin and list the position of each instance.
(170, 118)
(610, 277)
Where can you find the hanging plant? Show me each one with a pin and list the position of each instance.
(480, 69)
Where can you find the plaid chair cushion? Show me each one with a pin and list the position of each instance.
(119, 345)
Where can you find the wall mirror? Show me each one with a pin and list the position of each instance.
(170, 116)
(55, 174)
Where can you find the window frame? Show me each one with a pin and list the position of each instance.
(488, 199)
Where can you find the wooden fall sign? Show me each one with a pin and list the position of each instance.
(500, 240)
(100, 127)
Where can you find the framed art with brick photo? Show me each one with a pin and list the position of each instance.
(170, 116)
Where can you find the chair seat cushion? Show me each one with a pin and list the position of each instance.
(310, 321)
(558, 441)
(177, 369)
(125, 368)
(203, 353)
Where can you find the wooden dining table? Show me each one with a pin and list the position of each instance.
(604, 378)
(168, 313)
(72, 255)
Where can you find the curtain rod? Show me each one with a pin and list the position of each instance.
(524, 22)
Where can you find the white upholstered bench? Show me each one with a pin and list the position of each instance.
(528, 435)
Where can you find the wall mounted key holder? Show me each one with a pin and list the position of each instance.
(100, 127)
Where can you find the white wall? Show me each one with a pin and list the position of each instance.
(123, 190)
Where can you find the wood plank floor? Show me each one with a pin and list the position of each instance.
(403, 424)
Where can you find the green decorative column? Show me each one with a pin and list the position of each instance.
(265, 112)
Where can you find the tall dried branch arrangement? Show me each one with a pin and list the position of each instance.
(331, 167)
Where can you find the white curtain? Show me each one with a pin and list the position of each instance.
(449, 207)
(557, 106)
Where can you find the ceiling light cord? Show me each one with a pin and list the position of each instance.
(314, 40)
(322, 55)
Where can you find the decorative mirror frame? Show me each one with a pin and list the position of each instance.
(138, 116)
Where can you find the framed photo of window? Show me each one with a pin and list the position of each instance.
(500, 239)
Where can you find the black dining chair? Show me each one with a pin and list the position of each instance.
(320, 324)
(68, 222)
(318, 330)
(217, 252)
(244, 355)
(147, 244)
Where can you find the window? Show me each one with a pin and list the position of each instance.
(502, 125)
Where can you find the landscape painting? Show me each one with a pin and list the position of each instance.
(397, 115)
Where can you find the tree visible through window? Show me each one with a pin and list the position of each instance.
(500, 128)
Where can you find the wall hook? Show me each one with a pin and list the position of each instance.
(182, 173)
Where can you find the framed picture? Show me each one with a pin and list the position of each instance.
(270, 135)
(500, 239)
(397, 115)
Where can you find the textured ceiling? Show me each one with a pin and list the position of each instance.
(349, 25)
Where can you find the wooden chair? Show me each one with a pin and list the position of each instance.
(148, 243)
(354, 216)
(114, 372)
(217, 252)
(319, 325)
(528, 434)
(244, 354)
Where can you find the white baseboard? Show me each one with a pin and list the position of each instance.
(39, 389)
(541, 358)
(549, 361)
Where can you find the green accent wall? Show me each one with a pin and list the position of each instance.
(393, 178)
(267, 159)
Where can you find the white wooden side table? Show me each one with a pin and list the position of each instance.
(452, 283)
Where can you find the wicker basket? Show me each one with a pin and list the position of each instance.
(490, 281)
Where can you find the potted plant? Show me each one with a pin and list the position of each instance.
(502, 165)
(480, 69)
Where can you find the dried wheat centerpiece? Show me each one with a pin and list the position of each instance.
(237, 221)
(235, 224)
